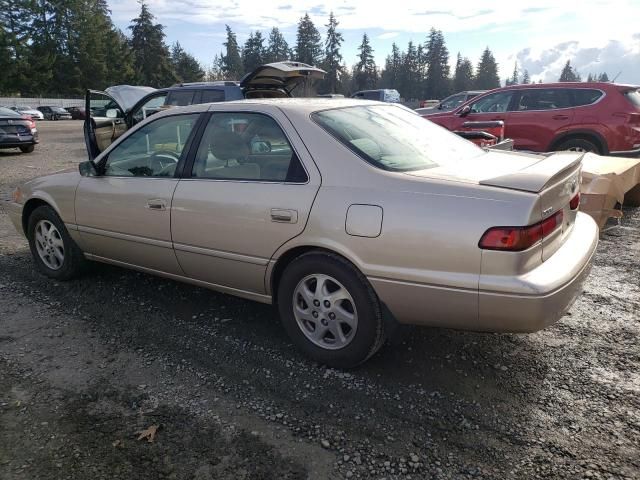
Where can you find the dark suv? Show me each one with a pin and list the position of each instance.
(114, 111)
(592, 117)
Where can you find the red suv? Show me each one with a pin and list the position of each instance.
(595, 116)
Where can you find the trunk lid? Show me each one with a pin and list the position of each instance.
(283, 75)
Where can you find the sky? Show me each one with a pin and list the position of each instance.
(596, 35)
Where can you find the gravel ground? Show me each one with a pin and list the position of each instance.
(87, 365)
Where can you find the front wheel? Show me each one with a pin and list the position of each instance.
(27, 149)
(55, 253)
(330, 310)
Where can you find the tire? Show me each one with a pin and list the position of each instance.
(27, 149)
(56, 240)
(350, 346)
(56, 118)
(578, 145)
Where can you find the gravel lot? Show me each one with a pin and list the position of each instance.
(85, 366)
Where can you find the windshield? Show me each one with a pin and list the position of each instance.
(393, 138)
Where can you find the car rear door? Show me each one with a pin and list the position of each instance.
(538, 116)
(249, 190)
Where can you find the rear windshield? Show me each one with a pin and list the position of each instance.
(393, 138)
(633, 96)
(5, 112)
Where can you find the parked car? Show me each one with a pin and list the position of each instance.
(449, 103)
(587, 117)
(117, 109)
(32, 112)
(77, 113)
(429, 103)
(17, 131)
(381, 95)
(55, 113)
(335, 215)
(330, 95)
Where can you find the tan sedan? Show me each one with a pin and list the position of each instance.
(337, 211)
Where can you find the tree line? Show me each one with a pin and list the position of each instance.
(53, 47)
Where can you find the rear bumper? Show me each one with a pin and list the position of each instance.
(541, 297)
(19, 141)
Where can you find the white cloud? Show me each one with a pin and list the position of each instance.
(388, 35)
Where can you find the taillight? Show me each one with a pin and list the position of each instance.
(575, 202)
(516, 239)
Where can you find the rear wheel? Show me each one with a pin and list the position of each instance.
(55, 253)
(578, 145)
(27, 149)
(330, 311)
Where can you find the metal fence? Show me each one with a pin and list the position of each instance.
(41, 102)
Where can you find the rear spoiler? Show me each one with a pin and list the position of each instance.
(537, 176)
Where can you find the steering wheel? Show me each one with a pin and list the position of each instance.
(161, 160)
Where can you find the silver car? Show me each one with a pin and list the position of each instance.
(336, 211)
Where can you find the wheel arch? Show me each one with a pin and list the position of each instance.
(585, 134)
(29, 208)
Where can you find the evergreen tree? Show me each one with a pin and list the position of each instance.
(463, 76)
(410, 79)
(366, 72)
(603, 77)
(277, 47)
(437, 83)
(308, 47)
(332, 57)
(151, 55)
(231, 61)
(15, 22)
(487, 72)
(253, 52)
(391, 75)
(214, 72)
(120, 59)
(568, 74)
(525, 77)
(186, 67)
(514, 76)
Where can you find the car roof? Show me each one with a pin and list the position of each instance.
(599, 85)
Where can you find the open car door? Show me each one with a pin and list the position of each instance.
(283, 76)
(108, 115)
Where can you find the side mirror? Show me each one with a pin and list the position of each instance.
(260, 146)
(112, 113)
(440, 107)
(87, 169)
(466, 110)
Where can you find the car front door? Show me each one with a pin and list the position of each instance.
(249, 190)
(124, 212)
(538, 116)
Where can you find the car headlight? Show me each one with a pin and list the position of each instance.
(17, 195)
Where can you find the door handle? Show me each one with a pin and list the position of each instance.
(560, 117)
(282, 215)
(157, 204)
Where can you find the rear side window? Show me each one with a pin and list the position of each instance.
(180, 98)
(633, 96)
(585, 96)
(543, 99)
(210, 96)
(371, 95)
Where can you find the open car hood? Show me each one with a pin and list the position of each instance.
(284, 75)
(128, 95)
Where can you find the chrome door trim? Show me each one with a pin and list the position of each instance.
(125, 236)
(238, 257)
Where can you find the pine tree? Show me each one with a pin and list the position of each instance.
(525, 77)
(277, 47)
(253, 52)
(214, 72)
(437, 83)
(514, 76)
(463, 76)
(332, 57)
(568, 74)
(231, 61)
(366, 72)
(308, 47)
(487, 72)
(410, 80)
(186, 67)
(603, 77)
(15, 21)
(391, 75)
(151, 55)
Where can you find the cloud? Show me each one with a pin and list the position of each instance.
(388, 35)
(616, 58)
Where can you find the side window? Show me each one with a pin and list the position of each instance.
(372, 95)
(585, 96)
(246, 146)
(453, 102)
(543, 99)
(496, 102)
(151, 106)
(211, 96)
(180, 98)
(152, 151)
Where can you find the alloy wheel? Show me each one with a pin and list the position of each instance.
(49, 244)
